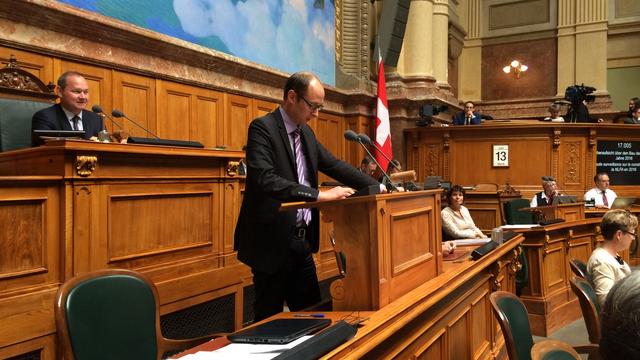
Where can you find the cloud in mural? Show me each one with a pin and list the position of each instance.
(286, 34)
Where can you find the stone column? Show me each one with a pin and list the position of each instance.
(582, 44)
(417, 48)
(440, 42)
(470, 61)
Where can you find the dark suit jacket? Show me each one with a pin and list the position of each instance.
(459, 118)
(54, 118)
(263, 232)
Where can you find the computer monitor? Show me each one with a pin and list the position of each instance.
(432, 182)
(39, 136)
(623, 202)
(564, 199)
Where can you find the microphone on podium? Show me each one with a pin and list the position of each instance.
(367, 140)
(117, 113)
(98, 110)
(352, 136)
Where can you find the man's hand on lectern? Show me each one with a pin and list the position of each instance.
(336, 193)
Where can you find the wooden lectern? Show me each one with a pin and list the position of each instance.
(568, 212)
(392, 244)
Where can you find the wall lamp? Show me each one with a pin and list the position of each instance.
(515, 68)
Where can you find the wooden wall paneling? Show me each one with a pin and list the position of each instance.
(328, 130)
(42, 348)
(261, 107)
(190, 113)
(238, 115)
(37, 64)
(99, 80)
(30, 266)
(135, 96)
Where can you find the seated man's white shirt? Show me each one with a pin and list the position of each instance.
(596, 194)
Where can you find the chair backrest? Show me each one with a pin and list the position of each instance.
(549, 349)
(514, 216)
(108, 314)
(579, 268)
(514, 322)
(15, 122)
(21, 95)
(589, 305)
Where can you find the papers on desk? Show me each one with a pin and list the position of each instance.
(245, 351)
(469, 242)
(519, 226)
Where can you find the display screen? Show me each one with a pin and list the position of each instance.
(621, 160)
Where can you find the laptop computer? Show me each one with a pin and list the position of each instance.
(279, 331)
(39, 136)
(623, 202)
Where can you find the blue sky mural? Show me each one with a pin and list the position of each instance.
(289, 35)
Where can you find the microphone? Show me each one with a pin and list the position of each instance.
(352, 136)
(117, 113)
(367, 140)
(98, 110)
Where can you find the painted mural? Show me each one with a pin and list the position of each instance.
(288, 35)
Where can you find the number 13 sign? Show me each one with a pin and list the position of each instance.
(500, 155)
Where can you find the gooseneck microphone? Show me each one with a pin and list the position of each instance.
(352, 136)
(367, 140)
(117, 113)
(98, 110)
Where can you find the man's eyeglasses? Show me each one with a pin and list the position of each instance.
(635, 236)
(311, 105)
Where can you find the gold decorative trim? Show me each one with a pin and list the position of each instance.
(556, 137)
(496, 284)
(85, 165)
(514, 264)
(545, 247)
(509, 191)
(232, 168)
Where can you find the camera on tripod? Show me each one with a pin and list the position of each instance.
(576, 94)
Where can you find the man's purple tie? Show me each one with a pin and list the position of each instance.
(304, 215)
(605, 201)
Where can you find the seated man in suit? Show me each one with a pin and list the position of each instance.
(635, 116)
(601, 194)
(468, 116)
(545, 197)
(70, 113)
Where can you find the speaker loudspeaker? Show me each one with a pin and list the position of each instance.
(393, 21)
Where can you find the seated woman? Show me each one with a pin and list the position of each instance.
(456, 220)
(605, 266)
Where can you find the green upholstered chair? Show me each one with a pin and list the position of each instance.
(112, 314)
(513, 215)
(549, 349)
(15, 122)
(589, 305)
(579, 268)
(514, 321)
(21, 95)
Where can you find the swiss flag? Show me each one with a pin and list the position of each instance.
(383, 129)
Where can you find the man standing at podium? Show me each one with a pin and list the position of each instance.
(283, 160)
(601, 194)
(70, 114)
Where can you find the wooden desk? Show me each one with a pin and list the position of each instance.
(70, 207)
(392, 243)
(448, 317)
(548, 297)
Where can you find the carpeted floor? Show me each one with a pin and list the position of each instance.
(575, 334)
